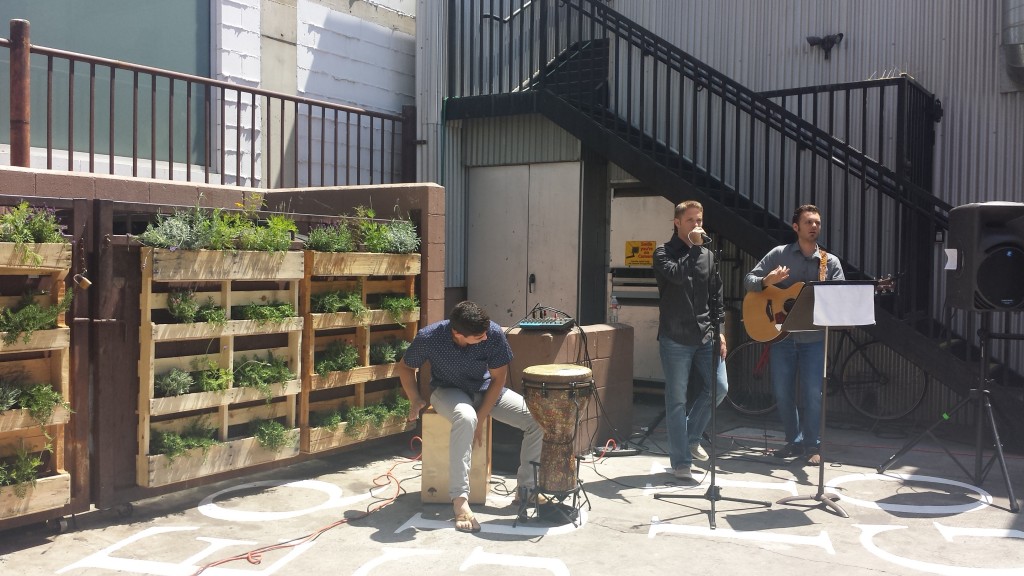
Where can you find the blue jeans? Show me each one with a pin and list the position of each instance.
(804, 360)
(684, 429)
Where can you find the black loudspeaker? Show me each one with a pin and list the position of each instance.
(989, 242)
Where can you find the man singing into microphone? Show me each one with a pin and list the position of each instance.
(690, 297)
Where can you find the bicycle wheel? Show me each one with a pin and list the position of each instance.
(881, 384)
(750, 380)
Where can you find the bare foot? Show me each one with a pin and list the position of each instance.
(465, 521)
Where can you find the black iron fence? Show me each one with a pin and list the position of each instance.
(85, 113)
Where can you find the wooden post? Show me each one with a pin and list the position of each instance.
(21, 103)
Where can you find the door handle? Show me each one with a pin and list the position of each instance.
(533, 282)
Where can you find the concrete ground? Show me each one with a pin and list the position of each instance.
(922, 517)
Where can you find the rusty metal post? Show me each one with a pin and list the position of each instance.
(409, 144)
(21, 103)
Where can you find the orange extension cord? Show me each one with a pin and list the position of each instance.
(256, 556)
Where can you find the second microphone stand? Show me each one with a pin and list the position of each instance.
(714, 493)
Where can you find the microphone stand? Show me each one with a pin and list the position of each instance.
(713, 493)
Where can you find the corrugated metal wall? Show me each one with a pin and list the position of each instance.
(950, 46)
(447, 149)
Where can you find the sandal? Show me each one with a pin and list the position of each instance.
(813, 459)
(467, 523)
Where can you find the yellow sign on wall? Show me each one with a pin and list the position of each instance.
(640, 252)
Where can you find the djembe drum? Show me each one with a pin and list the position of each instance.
(557, 394)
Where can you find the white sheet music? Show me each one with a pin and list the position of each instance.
(844, 304)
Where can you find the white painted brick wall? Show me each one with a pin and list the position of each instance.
(349, 61)
(236, 59)
(346, 60)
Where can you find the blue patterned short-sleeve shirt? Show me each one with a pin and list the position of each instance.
(452, 366)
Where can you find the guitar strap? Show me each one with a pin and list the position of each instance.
(821, 266)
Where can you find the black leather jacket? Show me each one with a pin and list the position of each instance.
(687, 296)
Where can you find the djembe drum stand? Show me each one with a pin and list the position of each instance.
(557, 396)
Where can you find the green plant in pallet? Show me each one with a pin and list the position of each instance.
(399, 406)
(339, 356)
(329, 420)
(185, 308)
(371, 234)
(271, 434)
(21, 471)
(401, 237)
(174, 382)
(262, 373)
(174, 444)
(24, 224)
(396, 306)
(27, 316)
(387, 351)
(394, 407)
(10, 391)
(198, 228)
(356, 419)
(208, 376)
(339, 301)
(263, 313)
(41, 400)
(330, 238)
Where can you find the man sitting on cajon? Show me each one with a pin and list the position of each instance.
(469, 357)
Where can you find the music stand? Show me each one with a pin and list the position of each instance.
(714, 493)
(828, 305)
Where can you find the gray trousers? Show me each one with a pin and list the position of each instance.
(460, 409)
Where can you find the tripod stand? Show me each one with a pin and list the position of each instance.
(713, 493)
(983, 406)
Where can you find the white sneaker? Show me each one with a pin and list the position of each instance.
(698, 453)
(683, 473)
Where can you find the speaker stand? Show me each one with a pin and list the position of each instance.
(981, 399)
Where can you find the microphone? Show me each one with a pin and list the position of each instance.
(705, 238)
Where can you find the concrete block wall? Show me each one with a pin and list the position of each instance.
(609, 412)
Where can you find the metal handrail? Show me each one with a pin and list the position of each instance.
(336, 144)
(752, 155)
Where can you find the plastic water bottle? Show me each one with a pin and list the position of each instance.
(613, 311)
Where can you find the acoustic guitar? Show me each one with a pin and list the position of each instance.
(765, 311)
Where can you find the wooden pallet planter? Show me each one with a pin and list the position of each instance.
(21, 420)
(238, 278)
(44, 258)
(49, 493)
(161, 470)
(42, 357)
(372, 275)
(354, 376)
(321, 439)
(202, 400)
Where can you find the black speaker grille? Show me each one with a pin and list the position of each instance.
(1000, 279)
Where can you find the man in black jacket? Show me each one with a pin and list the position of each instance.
(690, 300)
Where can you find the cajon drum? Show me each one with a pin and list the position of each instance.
(436, 432)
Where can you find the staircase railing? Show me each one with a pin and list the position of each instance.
(743, 149)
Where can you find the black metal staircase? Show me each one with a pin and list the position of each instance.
(690, 132)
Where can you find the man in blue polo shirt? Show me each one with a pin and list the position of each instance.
(469, 357)
(801, 355)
